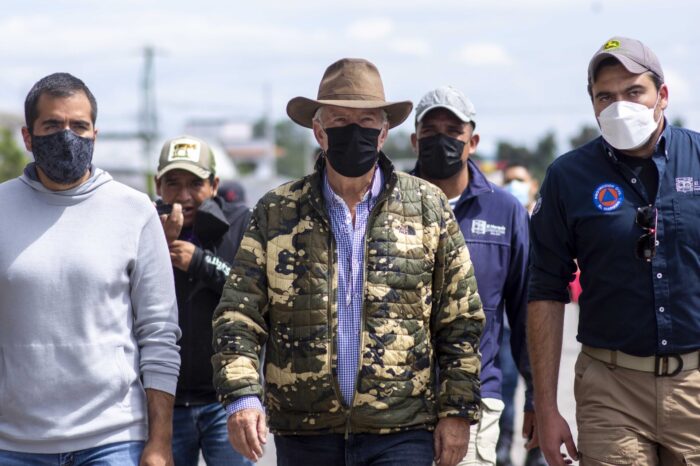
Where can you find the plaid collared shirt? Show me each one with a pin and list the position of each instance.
(350, 252)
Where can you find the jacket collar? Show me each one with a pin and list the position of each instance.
(478, 184)
(313, 183)
(210, 222)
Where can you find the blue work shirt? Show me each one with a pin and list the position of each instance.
(495, 227)
(587, 212)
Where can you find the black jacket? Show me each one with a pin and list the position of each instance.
(218, 228)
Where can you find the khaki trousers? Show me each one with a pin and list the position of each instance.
(632, 417)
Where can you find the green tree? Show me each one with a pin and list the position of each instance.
(293, 144)
(12, 159)
(536, 159)
(297, 154)
(679, 122)
(398, 145)
(585, 134)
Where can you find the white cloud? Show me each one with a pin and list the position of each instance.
(681, 51)
(370, 29)
(485, 54)
(679, 88)
(411, 46)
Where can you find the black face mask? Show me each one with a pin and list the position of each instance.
(440, 156)
(352, 149)
(63, 156)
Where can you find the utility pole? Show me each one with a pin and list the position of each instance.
(147, 121)
(270, 160)
(148, 114)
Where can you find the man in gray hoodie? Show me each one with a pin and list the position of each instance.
(88, 319)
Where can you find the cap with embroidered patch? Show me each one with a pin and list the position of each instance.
(187, 153)
(636, 57)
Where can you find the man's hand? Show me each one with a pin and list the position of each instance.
(247, 432)
(172, 224)
(451, 439)
(553, 430)
(181, 253)
(530, 430)
(157, 454)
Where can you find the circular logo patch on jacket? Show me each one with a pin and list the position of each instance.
(608, 197)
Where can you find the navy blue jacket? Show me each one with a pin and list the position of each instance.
(219, 228)
(587, 211)
(495, 228)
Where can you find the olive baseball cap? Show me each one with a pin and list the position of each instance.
(636, 57)
(449, 98)
(187, 153)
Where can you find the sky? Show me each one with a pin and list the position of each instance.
(521, 62)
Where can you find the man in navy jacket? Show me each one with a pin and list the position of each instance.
(624, 207)
(495, 227)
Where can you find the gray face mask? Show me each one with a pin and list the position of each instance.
(63, 156)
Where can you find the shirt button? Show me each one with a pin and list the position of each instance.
(634, 180)
(664, 342)
(656, 243)
(659, 275)
(661, 309)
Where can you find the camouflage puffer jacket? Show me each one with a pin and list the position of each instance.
(421, 307)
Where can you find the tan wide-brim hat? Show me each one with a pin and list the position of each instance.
(349, 83)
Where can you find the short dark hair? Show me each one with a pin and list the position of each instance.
(612, 61)
(55, 85)
(516, 165)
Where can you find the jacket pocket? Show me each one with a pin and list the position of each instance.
(49, 386)
(686, 208)
(582, 373)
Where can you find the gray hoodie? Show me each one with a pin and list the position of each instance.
(88, 316)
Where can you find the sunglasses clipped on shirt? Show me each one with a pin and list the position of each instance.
(646, 244)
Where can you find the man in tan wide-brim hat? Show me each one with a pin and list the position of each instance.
(357, 282)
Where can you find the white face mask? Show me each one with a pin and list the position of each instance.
(627, 125)
(521, 191)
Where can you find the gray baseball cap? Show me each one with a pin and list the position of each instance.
(636, 57)
(187, 153)
(449, 98)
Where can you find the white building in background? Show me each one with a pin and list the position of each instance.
(125, 161)
(240, 144)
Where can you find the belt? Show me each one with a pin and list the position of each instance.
(661, 365)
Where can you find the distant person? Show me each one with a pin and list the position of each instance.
(88, 319)
(495, 227)
(625, 206)
(232, 191)
(357, 282)
(518, 181)
(203, 233)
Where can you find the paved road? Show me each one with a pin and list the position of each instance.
(566, 392)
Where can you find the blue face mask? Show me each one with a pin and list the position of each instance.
(63, 156)
(521, 191)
